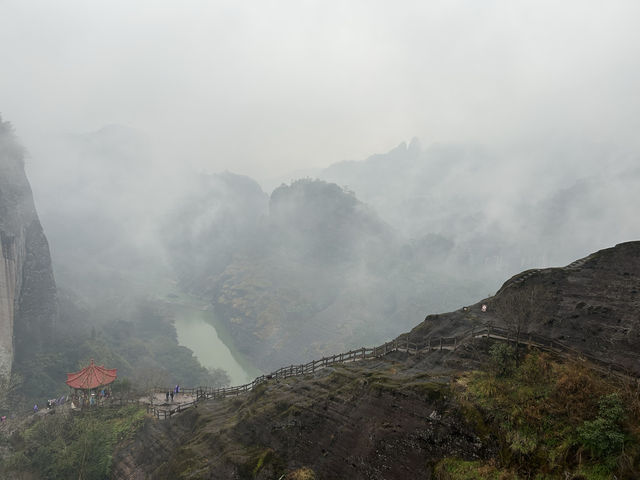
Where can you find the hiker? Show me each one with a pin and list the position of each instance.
(171, 397)
(483, 308)
(35, 408)
(167, 397)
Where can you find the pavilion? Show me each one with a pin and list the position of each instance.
(89, 383)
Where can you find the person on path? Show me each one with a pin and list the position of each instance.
(35, 408)
(167, 397)
(171, 397)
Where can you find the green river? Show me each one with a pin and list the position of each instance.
(196, 331)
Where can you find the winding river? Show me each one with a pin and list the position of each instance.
(196, 331)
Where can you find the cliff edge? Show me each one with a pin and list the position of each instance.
(27, 287)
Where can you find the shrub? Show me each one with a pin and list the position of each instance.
(502, 358)
(535, 369)
(604, 435)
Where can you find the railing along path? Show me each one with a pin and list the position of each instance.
(402, 343)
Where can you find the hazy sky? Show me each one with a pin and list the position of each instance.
(265, 87)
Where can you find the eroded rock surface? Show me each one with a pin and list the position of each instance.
(27, 288)
(591, 305)
(383, 418)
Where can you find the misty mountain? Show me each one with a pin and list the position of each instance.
(344, 261)
(309, 261)
(500, 211)
(321, 222)
(216, 217)
(325, 272)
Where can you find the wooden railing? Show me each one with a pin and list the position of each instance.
(401, 343)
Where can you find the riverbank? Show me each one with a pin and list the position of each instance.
(199, 330)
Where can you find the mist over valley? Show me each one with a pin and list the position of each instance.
(321, 265)
(319, 240)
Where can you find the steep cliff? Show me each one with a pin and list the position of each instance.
(27, 288)
(591, 305)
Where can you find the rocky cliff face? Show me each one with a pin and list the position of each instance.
(591, 305)
(384, 419)
(27, 288)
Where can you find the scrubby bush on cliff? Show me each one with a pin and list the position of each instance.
(71, 446)
(604, 436)
(553, 418)
(502, 358)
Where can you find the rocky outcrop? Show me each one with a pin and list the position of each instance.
(27, 288)
(591, 305)
(378, 419)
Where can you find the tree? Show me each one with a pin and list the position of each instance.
(122, 388)
(9, 388)
(148, 378)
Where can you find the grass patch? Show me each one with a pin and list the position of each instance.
(457, 469)
(430, 391)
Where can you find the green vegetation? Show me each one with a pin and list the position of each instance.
(502, 358)
(67, 445)
(552, 420)
(605, 436)
(456, 469)
(138, 339)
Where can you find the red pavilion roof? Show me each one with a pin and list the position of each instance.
(92, 376)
